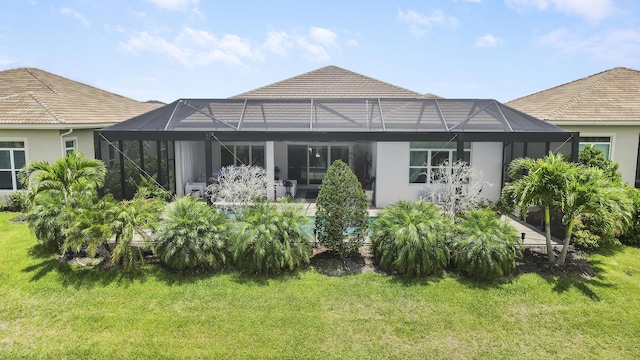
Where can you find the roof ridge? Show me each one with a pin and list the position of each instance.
(605, 75)
(49, 86)
(46, 107)
(374, 79)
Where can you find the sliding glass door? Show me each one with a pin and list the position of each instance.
(308, 164)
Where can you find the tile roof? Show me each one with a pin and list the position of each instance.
(36, 97)
(609, 96)
(330, 82)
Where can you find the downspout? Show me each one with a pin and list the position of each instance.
(63, 153)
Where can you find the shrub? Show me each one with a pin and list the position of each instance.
(192, 235)
(238, 187)
(270, 238)
(17, 201)
(410, 238)
(47, 221)
(91, 225)
(137, 217)
(342, 220)
(485, 247)
(631, 236)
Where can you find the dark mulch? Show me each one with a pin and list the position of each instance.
(534, 260)
(329, 262)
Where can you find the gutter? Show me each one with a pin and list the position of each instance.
(62, 147)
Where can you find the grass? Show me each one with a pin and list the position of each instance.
(48, 310)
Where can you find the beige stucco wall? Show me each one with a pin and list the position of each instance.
(47, 145)
(624, 145)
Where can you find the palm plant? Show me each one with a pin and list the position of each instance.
(270, 238)
(55, 189)
(192, 235)
(63, 175)
(91, 225)
(484, 246)
(47, 219)
(592, 193)
(410, 238)
(545, 182)
(134, 218)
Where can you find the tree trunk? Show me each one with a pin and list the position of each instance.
(547, 234)
(565, 245)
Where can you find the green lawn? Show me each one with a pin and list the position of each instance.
(49, 311)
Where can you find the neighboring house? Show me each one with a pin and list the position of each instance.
(43, 116)
(297, 127)
(604, 108)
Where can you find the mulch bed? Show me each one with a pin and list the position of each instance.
(534, 260)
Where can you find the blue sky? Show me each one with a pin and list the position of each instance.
(167, 49)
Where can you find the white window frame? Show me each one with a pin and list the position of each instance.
(14, 171)
(429, 166)
(66, 149)
(593, 135)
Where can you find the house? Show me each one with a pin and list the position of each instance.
(297, 127)
(43, 116)
(604, 108)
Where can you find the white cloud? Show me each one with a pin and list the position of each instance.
(594, 10)
(74, 14)
(612, 47)
(175, 4)
(318, 45)
(488, 40)
(192, 47)
(352, 43)
(278, 42)
(323, 36)
(419, 23)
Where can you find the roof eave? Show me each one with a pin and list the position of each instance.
(593, 122)
(55, 126)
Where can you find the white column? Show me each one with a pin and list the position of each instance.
(179, 169)
(269, 164)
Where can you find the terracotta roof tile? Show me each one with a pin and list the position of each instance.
(612, 95)
(330, 82)
(33, 96)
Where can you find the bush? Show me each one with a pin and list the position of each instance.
(410, 238)
(270, 238)
(17, 201)
(484, 246)
(47, 221)
(342, 220)
(192, 235)
(631, 236)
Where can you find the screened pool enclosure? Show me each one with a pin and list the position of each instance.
(388, 140)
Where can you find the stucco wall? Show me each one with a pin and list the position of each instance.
(392, 171)
(48, 145)
(624, 145)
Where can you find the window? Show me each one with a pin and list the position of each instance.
(426, 158)
(599, 142)
(69, 146)
(12, 159)
(242, 155)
